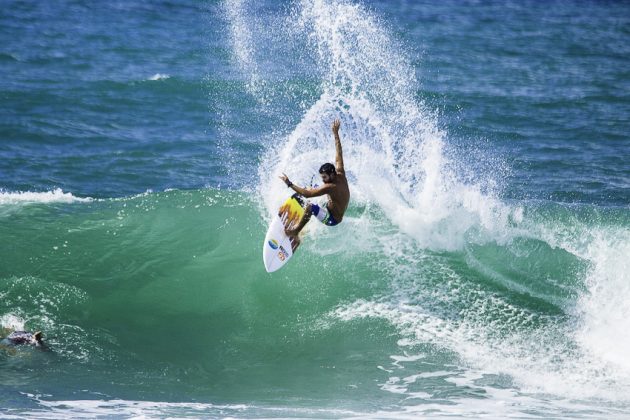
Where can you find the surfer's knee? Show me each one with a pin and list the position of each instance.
(308, 210)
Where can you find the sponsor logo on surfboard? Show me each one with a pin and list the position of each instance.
(273, 244)
(283, 254)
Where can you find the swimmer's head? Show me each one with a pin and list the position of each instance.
(25, 337)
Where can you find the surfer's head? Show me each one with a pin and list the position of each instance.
(328, 172)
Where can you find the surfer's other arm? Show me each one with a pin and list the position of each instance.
(339, 159)
(307, 192)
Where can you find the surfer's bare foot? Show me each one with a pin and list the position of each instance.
(291, 232)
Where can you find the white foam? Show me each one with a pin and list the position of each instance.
(11, 321)
(243, 47)
(92, 408)
(54, 196)
(160, 76)
(493, 403)
(497, 404)
(393, 148)
(605, 309)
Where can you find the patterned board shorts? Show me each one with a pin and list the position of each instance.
(323, 215)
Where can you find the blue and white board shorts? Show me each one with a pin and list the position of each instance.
(323, 215)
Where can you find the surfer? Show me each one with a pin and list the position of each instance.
(335, 186)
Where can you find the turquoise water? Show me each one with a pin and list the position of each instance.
(482, 269)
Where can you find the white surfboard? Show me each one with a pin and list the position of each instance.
(278, 248)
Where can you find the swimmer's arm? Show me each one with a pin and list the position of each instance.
(339, 159)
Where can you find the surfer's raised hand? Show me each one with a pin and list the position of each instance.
(335, 126)
(285, 179)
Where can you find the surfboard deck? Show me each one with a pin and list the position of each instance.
(278, 248)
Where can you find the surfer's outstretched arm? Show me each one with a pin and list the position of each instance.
(307, 192)
(339, 159)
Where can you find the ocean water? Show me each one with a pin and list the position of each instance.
(483, 268)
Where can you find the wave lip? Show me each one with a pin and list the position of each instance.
(55, 196)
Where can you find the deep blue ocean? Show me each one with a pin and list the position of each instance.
(483, 267)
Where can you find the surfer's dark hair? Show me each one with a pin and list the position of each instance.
(327, 168)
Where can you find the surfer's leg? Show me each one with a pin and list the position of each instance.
(308, 211)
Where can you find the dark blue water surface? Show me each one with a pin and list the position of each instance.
(543, 85)
(79, 110)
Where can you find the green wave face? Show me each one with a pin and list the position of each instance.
(168, 291)
(170, 288)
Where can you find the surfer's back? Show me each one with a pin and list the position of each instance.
(339, 196)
